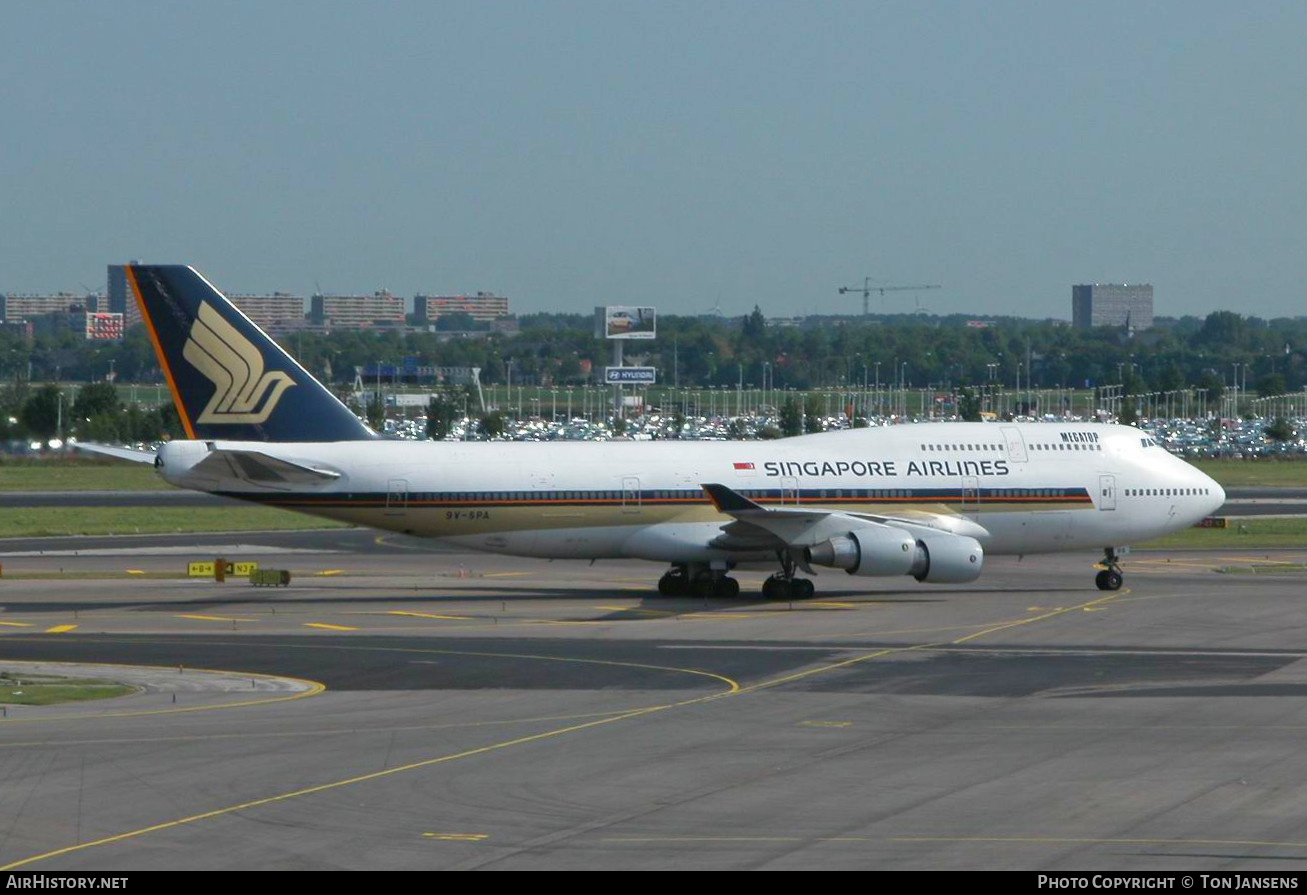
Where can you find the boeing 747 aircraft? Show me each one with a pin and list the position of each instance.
(924, 500)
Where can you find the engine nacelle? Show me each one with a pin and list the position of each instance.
(947, 559)
(882, 550)
(872, 551)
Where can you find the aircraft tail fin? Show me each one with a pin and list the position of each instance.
(228, 378)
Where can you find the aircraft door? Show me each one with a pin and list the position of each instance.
(1107, 492)
(970, 496)
(396, 497)
(1016, 446)
(631, 494)
(789, 491)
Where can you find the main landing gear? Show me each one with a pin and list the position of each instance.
(783, 585)
(682, 581)
(1110, 578)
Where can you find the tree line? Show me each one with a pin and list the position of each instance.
(938, 351)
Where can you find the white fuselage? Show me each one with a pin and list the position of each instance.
(1032, 488)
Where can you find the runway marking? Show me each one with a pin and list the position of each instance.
(826, 724)
(330, 572)
(889, 651)
(61, 629)
(217, 618)
(733, 689)
(326, 787)
(1017, 840)
(457, 837)
(1085, 840)
(328, 731)
(313, 688)
(638, 609)
(135, 571)
(326, 627)
(1133, 566)
(15, 624)
(1035, 618)
(460, 618)
(555, 621)
(504, 574)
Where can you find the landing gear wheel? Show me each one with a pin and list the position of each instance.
(802, 589)
(1110, 578)
(776, 589)
(703, 585)
(726, 587)
(675, 582)
(672, 584)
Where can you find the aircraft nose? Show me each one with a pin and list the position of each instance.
(1215, 492)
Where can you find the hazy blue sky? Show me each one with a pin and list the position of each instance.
(674, 154)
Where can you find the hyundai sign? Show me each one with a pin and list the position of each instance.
(630, 375)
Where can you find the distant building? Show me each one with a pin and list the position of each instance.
(120, 299)
(1110, 304)
(275, 313)
(97, 326)
(484, 306)
(21, 328)
(28, 307)
(380, 309)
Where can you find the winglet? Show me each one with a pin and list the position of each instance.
(729, 501)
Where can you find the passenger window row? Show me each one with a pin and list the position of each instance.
(1166, 492)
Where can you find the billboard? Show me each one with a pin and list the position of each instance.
(630, 375)
(625, 322)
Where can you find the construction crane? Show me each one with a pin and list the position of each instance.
(867, 288)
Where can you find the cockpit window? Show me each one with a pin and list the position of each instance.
(1147, 442)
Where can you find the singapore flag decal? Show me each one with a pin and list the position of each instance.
(744, 469)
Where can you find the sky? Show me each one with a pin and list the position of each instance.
(683, 155)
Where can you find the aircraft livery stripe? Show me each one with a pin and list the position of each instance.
(670, 497)
(160, 353)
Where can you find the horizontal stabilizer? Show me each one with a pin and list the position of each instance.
(259, 468)
(117, 452)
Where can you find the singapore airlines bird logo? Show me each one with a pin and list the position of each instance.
(243, 393)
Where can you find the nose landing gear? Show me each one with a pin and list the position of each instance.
(1111, 577)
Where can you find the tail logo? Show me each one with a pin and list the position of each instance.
(243, 392)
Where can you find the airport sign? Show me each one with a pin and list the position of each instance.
(630, 375)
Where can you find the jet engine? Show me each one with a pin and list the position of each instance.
(874, 550)
(947, 559)
(882, 550)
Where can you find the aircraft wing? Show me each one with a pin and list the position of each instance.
(758, 527)
(259, 468)
(120, 453)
